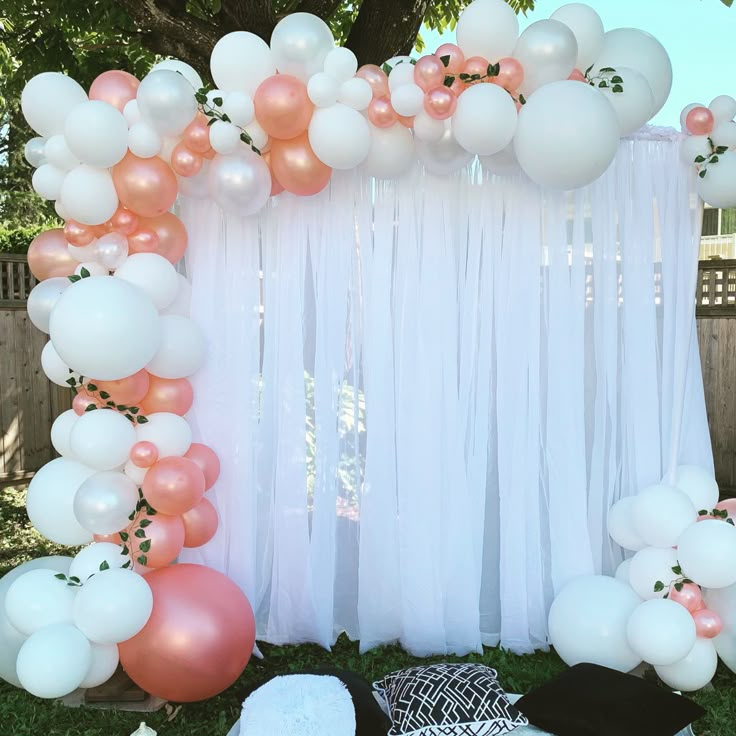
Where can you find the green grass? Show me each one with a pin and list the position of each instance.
(23, 715)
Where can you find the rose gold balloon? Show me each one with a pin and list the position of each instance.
(200, 524)
(129, 390)
(708, 624)
(440, 103)
(174, 485)
(376, 77)
(209, 155)
(145, 185)
(476, 65)
(184, 161)
(124, 222)
(144, 454)
(170, 233)
(380, 112)
(115, 87)
(49, 256)
(143, 240)
(510, 74)
(113, 538)
(699, 121)
(457, 57)
(197, 135)
(82, 400)
(198, 639)
(458, 87)
(282, 106)
(276, 188)
(297, 168)
(577, 76)
(166, 535)
(207, 460)
(429, 72)
(689, 596)
(77, 234)
(172, 395)
(729, 505)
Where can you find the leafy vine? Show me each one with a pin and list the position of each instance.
(704, 162)
(606, 78)
(209, 109)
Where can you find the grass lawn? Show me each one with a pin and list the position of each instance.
(23, 715)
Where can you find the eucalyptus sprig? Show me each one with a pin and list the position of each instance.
(139, 523)
(703, 162)
(607, 78)
(211, 111)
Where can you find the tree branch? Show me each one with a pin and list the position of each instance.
(256, 16)
(322, 8)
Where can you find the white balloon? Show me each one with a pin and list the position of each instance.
(47, 99)
(724, 134)
(182, 302)
(131, 112)
(135, 473)
(92, 268)
(216, 98)
(443, 157)
(394, 61)
(39, 599)
(224, 137)
(661, 632)
(723, 602)
(475, 107)
(152, 274)
(166, 101)
(34, 151)
(240, 61)
(587, 26)
(391, 153)
(323, 89)
(707, 553)
(699, 485)
(341, 64)
(718, 186)
(401, 74)
(683, 115)
(61, 211)
(47, 181)
(42, 299)
(61, 431)
(408, 99)
(694, 671)
(97, 133)
(105, 501)
(56, 370)
(105, 661)
(84, 253)
(167, 148)
(188, 72)
(621, 525)
(623, 570)
(725, 646)
(111, 251)
(502, 163)
(567, 155)
(113, 607)
(587, 622)
(547, 50)
(171, 433)
(339, 136)
(89, 195)
(240, 183)
(487, 28)
(102, 439)
(182, 349)
(649, 566)
(300, 43)
(356, 93)
(723, 108)
(257, 134)
(50, 501)
(239, 107)
(54, 661)
(57, 153)
(122, 331)
(634, 105)
(661, 514)
(694, 146)
(143, 140)
(96, 559)
(197, 186)
(428, 129)
(639, 50)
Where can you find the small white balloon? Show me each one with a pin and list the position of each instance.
(724, 134)
(97, 558)
(56, 370)
(188, 72)
(694, 671)
(105, 660)
(182, 302)
(97, 133)
(47, 181)
(61, 211)
(391, 153)
(718, 187)
(171, 434)
(323, 89)
(634, 105)
(340, 136)
(661, 632)
(487, 28)
(152, 274)
(623, 570)
(132, 113)
(707, 553)
(102, 439)
(300, 43)
(111, 251)
(182, 349)
(91, 268)
(400, 75)
(240, 183)
(661, 514)
(475, 107)
(356, 93)
(144, 141)
(240, 61)
(428, 129)
(502, 163)
(444, 156)
(39, 599)
(57, 153)
(105, 501)
(47, 99)
(34, 151)
(224, 137)
(621, 525)
(650, 566)
(341, 64)
(42, 299)
(548, 51)
(239, 107)
(694, 146)
(135, 473)
(699, 485)
(587, 27)
(257, 135)
(61, 431)
(408, 99)
(723, 108)
(167, 147)
(89, 195)
(166, 101)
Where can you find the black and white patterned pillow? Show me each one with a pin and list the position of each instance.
(448, 700)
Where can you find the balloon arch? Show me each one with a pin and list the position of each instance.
(129, 482)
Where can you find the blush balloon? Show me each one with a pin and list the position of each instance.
(115, 87)
(170, 233)
(82, 400)
(128, 391)
(297, 168)
(113, 538)
(276, 187)
(440, 103)
(143, 240)
(144, 454)
(207, 460)
(200, 524)
(145, 185)
(173, 395)
(456, 60)
(699, 121)
(376, 77)
(689, 596)
(429, 72)
(381, 113)
(708, 624)
(282, 105)
(174, 485)
(510, 74)
(49, 256)
(124, 222)
(197, 135)
(166, 535)
(476, 65)
(77, 234)
(184, 161)
(577, 76)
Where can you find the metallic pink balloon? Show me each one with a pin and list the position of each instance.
(128, 391)
(77, 234)
(476, 65)
(380, 112)
(173, 395)
(197, 135)
(297, 168)
(124, 222)
(429, 72)
(113, 538)
(82, 400)
(282, 105)
(207, 460)
(276, 187)
(144, 454)
(689, 596)
(49, 256)
(170, 235)
(115, 87)
(440, 103)
(577, 76)
(510, 74)
(184, 161)
(147, 186)
(198, 639)
(406, 120)
(200, 524)
(457, 57)
(708, 624)
(376, 77)
(166, 535)
(174, 485)
(728, 505)
(143, 240)
(699, 121)
(458, 87)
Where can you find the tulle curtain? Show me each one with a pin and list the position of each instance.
(426, 394)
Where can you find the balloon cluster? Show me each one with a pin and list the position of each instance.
(672, 603)
(710, 146)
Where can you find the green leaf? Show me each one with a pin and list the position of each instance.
(84, 273)
(211, 121)
(111, 404)
(145, 523)
(658, 586)
(71, 381)
(727, 3)
(103, 394)
(125, 549)
(617, 80)
(603, 84)
(721, 149)
(678, 586)
(145, 546)
(140, 534)
(494, 70)
(445, 60)
(730, 521)
(677, 570)
(449, 80)
(702, 512)
(151, 511)
(687, 580)
(386, 69)
(91, 407)
(126, 565)
(60, 576)
(617, 88)
(475, 77)
(714, 160)
(92, 387)
(142, 420)
(133, 409)
(522, 99)
(124, 536)
(142, 560)
(217, 101)
(464, 76)
(104, 566)
(702, 173)
(589, 69)
(607, 69)
(74, 278)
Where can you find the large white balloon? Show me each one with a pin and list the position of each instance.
(105, 328)
(57, 153)
(170, 433)
(300, 43)
(725, 645)
(240, 183)
(97, 133)
(61, 431)
(54, 661)
(699, 485)
(339, 136)
(475, 108)
(102, 439)
(56, 370)
(153, 274)
(391, 153)
(166, 101)
(39, 599)
(188, 72)
(635, 49)
(181, 352)
(112, 607)
(634, 105)
(587, 622)
(105, 501)
(572, 151)
(144, 140)
(105, 659)
(97, 558)
(547, 50)
(694, 671)
(50, 501)
(661, 632)
(182, 302)
(694, 146)
(408, 99)
(47, 99)
(661, 514)
(718, 186)
(707, 553)
(723, 108)
(587, 26)
(649, 566)
(240, 61)
(47, 181)
(443, 156)
(487, 28)
(621, 525)
(42, 299)
(89, 195)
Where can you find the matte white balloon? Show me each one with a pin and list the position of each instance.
(89, 195)
(694, 146)
(487, 28)
(56, 370)
(621, 525)
(144, 140)
(105, 660)
(502, 163)
(153, 275)
(39, 599)
(166, 101)
(723, 108)
(428, 129)
(182, 302)
(188, 72)
(91, 559)
(661, 632)
(131, 112)
(42, 299)
(240, 61)
(622, 571)
(102, 439)
(724, 134)
(97, 133)
(35, 151)
(258, 136)
(587, 27)
(694, 671)
(649, 566)
(105, 501)
(477, 106)
(661, 514)
(356, 93)
(224, 137)
(135, 473)
(323, 89)
(548, 51)
(718, 187)
(408, 99)
(240, 183)
(47, 99)
(171, 434)
(699, 485)
(239, 107)
(341, 64)
(634, 105)
(339, 136)
(300, 43)
(91, 268)
(181, 352)
(61, 211)
(197, 186)
(57, 153)
(168, 143)
(444, 156)
(391, 153)
(707, 553)
(723, 602)
(47, 181)
(61, 431)
(400, 75)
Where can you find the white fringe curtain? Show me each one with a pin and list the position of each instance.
(426, 394)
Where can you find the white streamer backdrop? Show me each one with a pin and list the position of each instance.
(426, 394)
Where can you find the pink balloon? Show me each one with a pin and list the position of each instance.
(145, 185)
(476, 65)
(124, 222)
(48, 255)
(729, 505)
(207, 460)
(197, 135)
(283, 107)
(429, 72)
(510, 74)
(184, 161)
(406, 121)
(708, 623)
(143, 454)
(82, 399)
(380, 112)
(689, 596)
(699, 121)
(143, 240)
(376, 77)
(198, 640)
(128, 391)
(170, 236)
(173, 395)
(113, 538)
(78, 234)
(297, 168)
(577, 76)
(276, 187)
(174, 485)
(440, 103)
(166, 535)
(115, 87)
(457, 57)
(200, 524)
(458, 87)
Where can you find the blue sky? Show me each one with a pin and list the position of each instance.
(698, 34)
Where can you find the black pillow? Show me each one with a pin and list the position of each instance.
(590, 700)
